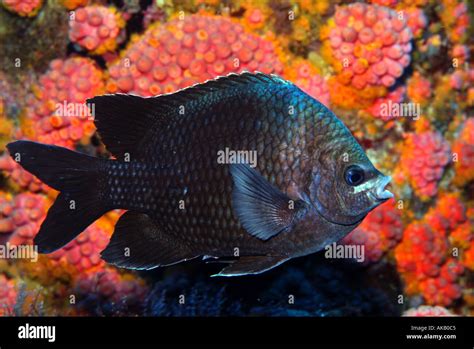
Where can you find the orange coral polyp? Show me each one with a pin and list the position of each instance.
(96, 28)
(228, 48)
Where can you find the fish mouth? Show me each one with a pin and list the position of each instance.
(381, 193)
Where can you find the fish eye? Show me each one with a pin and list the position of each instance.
(354, 175)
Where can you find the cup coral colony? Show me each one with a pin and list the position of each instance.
(397, 73)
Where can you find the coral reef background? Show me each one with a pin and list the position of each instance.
(397, 72)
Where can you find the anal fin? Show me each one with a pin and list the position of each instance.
(248, 265)
(138, 243)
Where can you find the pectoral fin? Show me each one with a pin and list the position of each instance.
(263, 210)
(248, 265)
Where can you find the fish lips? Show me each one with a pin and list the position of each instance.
(380, 193)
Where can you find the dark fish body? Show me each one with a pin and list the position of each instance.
(185, 155)
(183, 202)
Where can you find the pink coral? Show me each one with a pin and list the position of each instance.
(461, 79)
(381, 107)
(8, 295)
(96, 28)
(21, 217)
(455, 18)
(421, 251)
(379, 232)
(184, 52)
(255, 17)
(426, 310)
(56, 107)
(370, 44)
(444, 289)
(419, 88)
(463, 148)
(448, 214)
(111, 285)
(56, 113)
(306, 77)
(24, 8)
(468, 259)
(18, 175)
(424, 157)
(421, 258)
(460, 53)
(424, 257)
(416, 20)
(83, 253)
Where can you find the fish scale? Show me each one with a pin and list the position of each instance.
(204, 178)
(182, 203)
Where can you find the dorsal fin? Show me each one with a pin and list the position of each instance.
(123, 120)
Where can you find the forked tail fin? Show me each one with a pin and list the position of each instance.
(76, 176)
